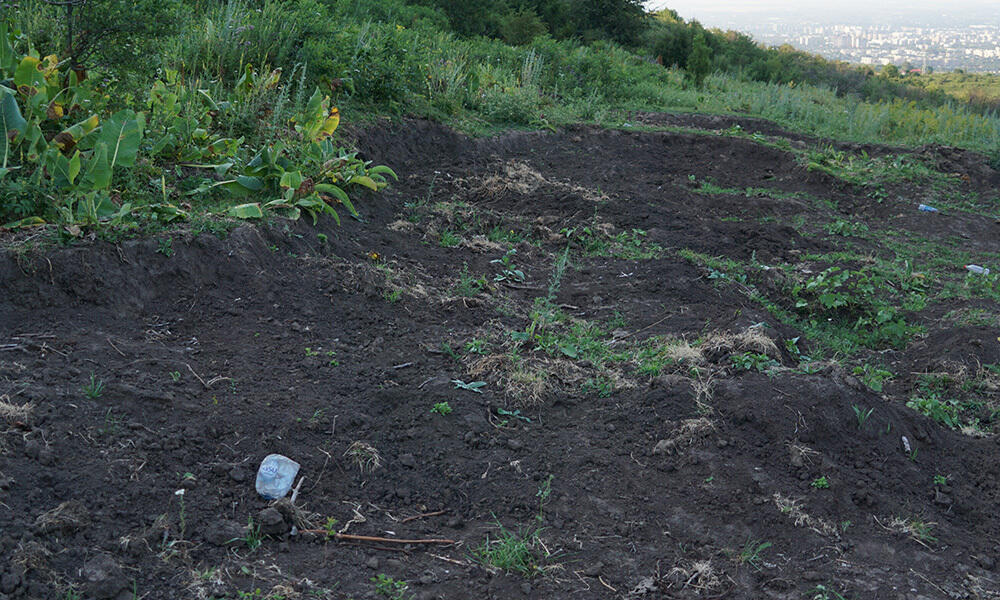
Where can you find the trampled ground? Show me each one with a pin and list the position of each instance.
(680, 398)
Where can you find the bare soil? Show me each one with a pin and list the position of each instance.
(215, 352)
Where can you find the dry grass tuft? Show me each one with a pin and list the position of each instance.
(698, 575)
(68, 516)
(790, 506)
(703, 393)
(518, 177)
(682, 352)
(689, 432)
(10, 412)
(750, 339)
(364, 456)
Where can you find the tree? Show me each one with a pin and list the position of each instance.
(891, 71)
(522, 26)
(699, 62)
(113, 31)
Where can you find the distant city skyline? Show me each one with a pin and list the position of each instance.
(729, 13)
(961, 34)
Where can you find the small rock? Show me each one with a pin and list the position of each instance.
(407, 460)
(663, 447)
(812, 576)
(372, 563)
(515, 444)
(223, 533)
(525, 588)
(238, 475)
(426, 579)
(594, 570)
(455, 523)
(941, 498)
(104, 577)
(272, 522)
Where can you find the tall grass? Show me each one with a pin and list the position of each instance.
(385, 56)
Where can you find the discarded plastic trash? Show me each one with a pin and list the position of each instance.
(275, 476)
(977, 269)
(926, 208)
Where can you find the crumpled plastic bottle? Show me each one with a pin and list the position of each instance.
(276, 476)
(977, 269)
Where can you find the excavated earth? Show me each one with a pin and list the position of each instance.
(144, 381)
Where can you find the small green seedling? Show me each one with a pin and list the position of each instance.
(820, 483)
(441, 408)
(862, 415)
(175, 376)
(940, 480)
(94, 388)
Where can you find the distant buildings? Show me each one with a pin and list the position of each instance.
(972, 48)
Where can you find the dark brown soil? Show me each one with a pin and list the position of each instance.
(216, 352)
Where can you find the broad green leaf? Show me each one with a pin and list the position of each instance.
(10, 120)
(291, 180)
(64, 170)
(246, 211)
(27, 74)
(25, 222)
(339, 194)
(382, 169)
(97, 173)
(122, 134)
(365, 181)
(72, 135)
(8, 61)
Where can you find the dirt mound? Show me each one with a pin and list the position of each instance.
(538, 346)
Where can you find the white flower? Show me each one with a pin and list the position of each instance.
(179, 492)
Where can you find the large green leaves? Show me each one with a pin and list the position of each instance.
(12, 126)
(122, 134)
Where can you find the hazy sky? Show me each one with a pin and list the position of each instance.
(711, 12)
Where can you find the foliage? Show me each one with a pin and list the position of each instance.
(61, 138)
(511, 551)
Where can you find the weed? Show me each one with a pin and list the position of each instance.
(330, 526)
(472, 386)
(392, 296)
(820, 483)
(752, 551)
(862, 415)
(165, 247)
(601, 386)
(441, 408)
(310, 352)
(748, 361)
(477, 346)
(940, 480)
(175, 376)
(821, 592)
(873, 377)
(390, 588)
(253, 538)
(332, 359)
(322, 238)
(467, 285)
(94, 388)
(508, 271)
(942, 411)
(364, 456)
(449, 239)
(510, 551)
(514, 414)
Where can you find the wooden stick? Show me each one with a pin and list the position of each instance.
(421, 516)
(368, 538)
